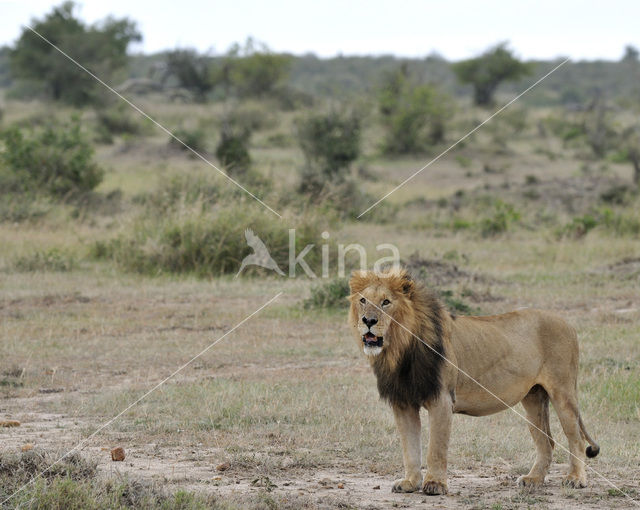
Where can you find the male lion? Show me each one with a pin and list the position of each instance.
(528, 356)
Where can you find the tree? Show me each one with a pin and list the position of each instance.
(252, 70)
(489, 70)
(192, 72)
(631, 54)
(330, 142)
(101, 47)
(414, 115)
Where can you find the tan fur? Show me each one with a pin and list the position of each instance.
(528, 356)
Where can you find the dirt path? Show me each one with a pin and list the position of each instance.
(341, 486)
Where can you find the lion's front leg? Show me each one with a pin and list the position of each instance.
(408, 424)
(440, 415)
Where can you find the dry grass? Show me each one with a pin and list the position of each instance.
(287, 398)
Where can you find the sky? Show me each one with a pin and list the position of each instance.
(543, 29)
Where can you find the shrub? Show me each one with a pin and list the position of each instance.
(620, 223)
(204, 242)
(191, 71)
(194, 138)
(455, 303)
(233, 150)
(504, 215)
(618, 194)
(44, 260)
(330, 142)
(253, 70)
(414, 118)
(56, 159)
(331, 294)
(579, 226)
(116, 121)
(179, 190)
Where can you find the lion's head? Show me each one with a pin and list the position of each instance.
(390, 311)
(376, 299)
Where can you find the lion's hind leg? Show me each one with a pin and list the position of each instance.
(536, 405)
(566, 405)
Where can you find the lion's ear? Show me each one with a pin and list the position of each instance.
(357, 282)
(407, 283)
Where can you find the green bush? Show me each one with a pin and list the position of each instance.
(455, 303)
(55, 159)
(253, 70)
(180, 190)
(579, 226)
(205, 242)
(330, 294)
(330, 142)
(44, 260)
(116, 121)
(194, 138)
(621, 224)
(414, 116)
(233, 150)
(504, 215)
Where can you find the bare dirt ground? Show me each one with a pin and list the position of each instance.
(342, 486)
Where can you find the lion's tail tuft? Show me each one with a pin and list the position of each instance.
(592, 451)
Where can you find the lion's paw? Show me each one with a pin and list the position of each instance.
(434, 487)
(574, 481)
(405, 485)
(530, 481)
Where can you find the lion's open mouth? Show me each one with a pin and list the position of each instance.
(371, 340)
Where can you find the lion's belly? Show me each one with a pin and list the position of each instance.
(482, 403)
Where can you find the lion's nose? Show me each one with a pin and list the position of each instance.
(369, 322)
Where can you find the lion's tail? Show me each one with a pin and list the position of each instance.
(593, 449)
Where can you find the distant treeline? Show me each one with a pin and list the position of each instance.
(575, 83)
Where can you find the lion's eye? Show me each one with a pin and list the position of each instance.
(363, 300)
(386, 302)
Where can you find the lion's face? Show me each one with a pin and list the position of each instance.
(376, 300)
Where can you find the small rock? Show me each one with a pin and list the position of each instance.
(26, 447)
(9, 423)
(376, 488)
(223, 467)
(340, 486)
(117, 454)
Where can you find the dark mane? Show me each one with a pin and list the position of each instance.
(415, 380)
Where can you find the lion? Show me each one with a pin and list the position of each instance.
(424, 356)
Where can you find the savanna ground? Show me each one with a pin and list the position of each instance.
(287, 404)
